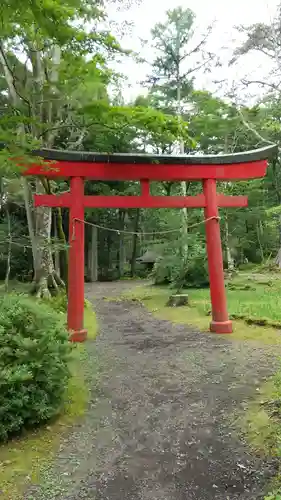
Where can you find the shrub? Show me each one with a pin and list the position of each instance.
(164, 268)
(169, 269)
(59, 302)
(276, 495)
(34, 356)
(197, 272)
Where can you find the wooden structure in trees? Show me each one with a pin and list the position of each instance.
(146, 168)
(148, 259)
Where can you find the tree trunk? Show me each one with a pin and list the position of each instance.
(122, 256)
(8, 265)
(278, 256)
(45, 275)
(109, 255)
(30, 218)
(57, 253)
(92, 260)
(64, 253)
(135, 243)
(184, 215)
(229, 258)
(184, 226)
(259, 234)
(42, 264)
(121, 253)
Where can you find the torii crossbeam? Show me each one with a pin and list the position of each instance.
(145, 168)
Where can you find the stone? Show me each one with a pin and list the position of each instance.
(178, 300)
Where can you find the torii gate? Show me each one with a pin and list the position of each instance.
(145, 168)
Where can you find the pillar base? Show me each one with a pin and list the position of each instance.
(78, 336)
(221, 327)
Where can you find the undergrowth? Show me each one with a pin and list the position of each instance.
(262, 426)
(274, 495)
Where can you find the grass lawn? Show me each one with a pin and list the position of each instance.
(249, 296)
(23, 459)
(254, 300)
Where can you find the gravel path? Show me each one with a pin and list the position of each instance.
(158, 423)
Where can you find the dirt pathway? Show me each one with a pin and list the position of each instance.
(157, 427)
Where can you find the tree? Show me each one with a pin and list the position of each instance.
(126, 129)
(263, 122)
(179, 56)
(263, 39)
(45, 76)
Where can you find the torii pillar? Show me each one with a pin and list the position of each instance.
(76, 267)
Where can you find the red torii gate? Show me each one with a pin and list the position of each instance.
(145, 168)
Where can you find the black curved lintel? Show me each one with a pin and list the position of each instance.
(129, 158)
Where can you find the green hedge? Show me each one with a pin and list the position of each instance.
(34, 358)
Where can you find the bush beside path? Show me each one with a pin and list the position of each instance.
(43, 387)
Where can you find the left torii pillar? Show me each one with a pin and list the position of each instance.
(74, 200)
(75, 312)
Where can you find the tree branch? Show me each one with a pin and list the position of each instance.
(260, 82)
(198, 46)
(252, 129)
(204, 63)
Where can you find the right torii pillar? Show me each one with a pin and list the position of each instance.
(220, 320)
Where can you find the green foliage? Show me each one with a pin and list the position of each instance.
(171, 269)
(276, 495)
(133, 126)
(171, 39)
(176, 60)
(34, 357)
(197, 272)
(163, 270)
(57, 302)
